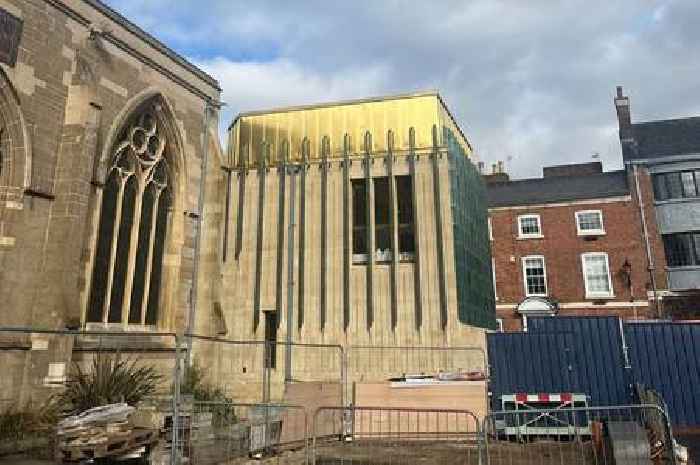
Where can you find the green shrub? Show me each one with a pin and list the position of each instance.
(18, 423)
(194, 384)
(110, 380)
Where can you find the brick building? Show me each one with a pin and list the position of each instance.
(662, 159)
(581, 241)
(567, 243)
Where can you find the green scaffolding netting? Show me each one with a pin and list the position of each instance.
(476, 304)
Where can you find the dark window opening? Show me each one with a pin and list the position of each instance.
(360, 244)
(677, 185)
(2, 158)
(104, 248)
(404, 203)
(271, 339)
(122, 256)
(382, 220)
(682, 249)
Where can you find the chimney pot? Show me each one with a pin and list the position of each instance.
(619, 91)
(493, 168)
(500, 166)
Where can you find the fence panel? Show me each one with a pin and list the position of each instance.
(665, 356)
(379, 435)
(212, 433)
(632, 434)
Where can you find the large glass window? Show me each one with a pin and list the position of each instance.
(596, 275)
(682, 249)
(677, 185)
(404, 202)
(359, 221)
(382, 220)
(529, 226)
(535, 276)
(128, 262)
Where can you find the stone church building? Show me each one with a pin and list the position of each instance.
(107, 138)
(351, 223)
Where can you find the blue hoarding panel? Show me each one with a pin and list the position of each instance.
(530, 363)
(665, 356)
(598, 356)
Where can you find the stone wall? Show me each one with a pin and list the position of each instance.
(81, 72)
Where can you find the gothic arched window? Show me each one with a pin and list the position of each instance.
(136, 200)
(2, 147)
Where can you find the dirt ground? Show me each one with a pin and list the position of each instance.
(18, 460)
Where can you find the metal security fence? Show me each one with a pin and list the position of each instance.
(381, 435)
(630, 434)
(256, 371)
(212, 433)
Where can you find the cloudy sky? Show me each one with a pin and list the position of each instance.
(531, 82)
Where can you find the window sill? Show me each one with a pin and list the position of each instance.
(679, 200)
(119, 327)
(533, 236)
(683, 268)
(600, 296)
(536, 295)
(591, 233)
(360, 259)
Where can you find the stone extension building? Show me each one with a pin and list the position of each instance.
(356, 223)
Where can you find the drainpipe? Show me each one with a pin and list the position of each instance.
(650, 258)
(198, 231)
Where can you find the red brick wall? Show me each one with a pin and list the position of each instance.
(562, 248)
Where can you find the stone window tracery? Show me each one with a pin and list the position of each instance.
(131, 234)
(2, 147)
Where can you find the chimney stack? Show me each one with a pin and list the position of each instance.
(500, 166)
(622, 105)
(493, 168)
(480, 165)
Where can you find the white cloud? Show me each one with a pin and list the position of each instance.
(531, 80)
(256, 86)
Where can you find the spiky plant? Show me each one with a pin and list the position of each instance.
(110, 380)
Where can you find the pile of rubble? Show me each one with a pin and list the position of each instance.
(103, 432)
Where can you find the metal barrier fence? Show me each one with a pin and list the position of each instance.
(248, 371)
(212, 433)
(629, 434)
(380, 435)
(199, 417)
